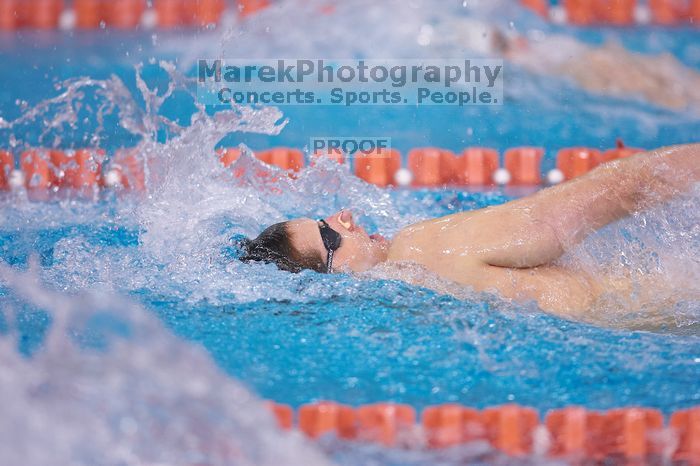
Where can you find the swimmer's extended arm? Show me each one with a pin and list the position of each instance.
(538, 229)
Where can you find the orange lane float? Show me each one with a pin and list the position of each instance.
(283, 157)
(228, 156)
(42, 14)
(618, 12)
(524, 165)
(378, 167)
(284, 414)
(580, 12)
(88, 13)
(571, 430)
(86, 171)
(424, 163)
(667, 12)
(79, 170)
(694, 12)
(35, 165)
(432, 166)
(123, 14)
(170, 13)
(476, 166)
(385, 423)
(249, 7)
(452, 424)
(541, 7)
(7, 164)
(443, 425)
(621, 12)
(686, 425)
(586, 12)
(9, 15)
(577, 161)
(207, 12)
(119, 14)
(510, 428)
(623, 436)
(59, 164)
(325, 417)
(448, 166)
(189, 12)
(629, 433)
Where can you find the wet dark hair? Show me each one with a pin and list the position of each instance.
(274, 245)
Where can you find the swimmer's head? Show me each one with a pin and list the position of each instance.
(297, 244)
(275, 245)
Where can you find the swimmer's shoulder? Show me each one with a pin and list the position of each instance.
(410, 243)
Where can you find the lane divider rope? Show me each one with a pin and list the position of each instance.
(166, 14)
(121, 14)
(42, 171)
(632, 434)
(618, 12)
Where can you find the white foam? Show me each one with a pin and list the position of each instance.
(147, 398)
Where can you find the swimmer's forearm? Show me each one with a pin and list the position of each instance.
(650, 178)
(537, 230)
(666, 172)
(617, 189)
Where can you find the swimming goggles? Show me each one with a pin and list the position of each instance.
(331, 241)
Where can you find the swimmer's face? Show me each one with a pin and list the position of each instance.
(358, 251)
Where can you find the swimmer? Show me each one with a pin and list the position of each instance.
(609, 69)
(612, 69)
(511, 249)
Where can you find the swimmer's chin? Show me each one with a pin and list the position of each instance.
(381, 241)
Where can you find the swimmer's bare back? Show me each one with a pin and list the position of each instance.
(660, 79)
(512, 248)
(610, 69)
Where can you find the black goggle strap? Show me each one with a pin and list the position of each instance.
(329, 261)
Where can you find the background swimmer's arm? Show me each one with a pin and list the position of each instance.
(536, 230)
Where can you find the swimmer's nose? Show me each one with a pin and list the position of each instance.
(345, 219)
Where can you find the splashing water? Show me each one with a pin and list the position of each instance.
(654, 253)
(296, 338)
(110, 386)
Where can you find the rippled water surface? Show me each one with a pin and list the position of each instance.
(132, 271)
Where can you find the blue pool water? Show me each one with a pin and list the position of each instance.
(306, 337)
